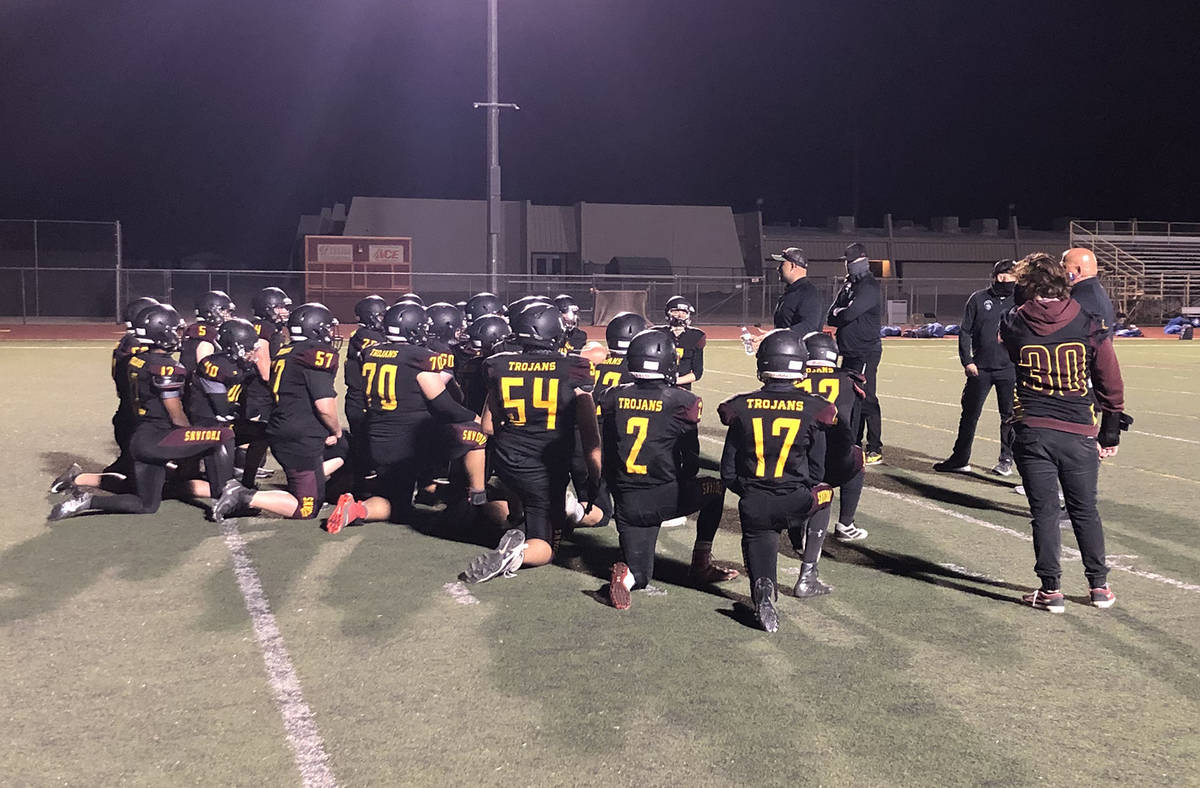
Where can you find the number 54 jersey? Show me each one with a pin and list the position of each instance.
(776, 439)
(533, 400)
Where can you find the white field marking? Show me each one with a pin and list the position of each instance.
(302, 733)
(1068, 552)
(459, 593)
(962, 570)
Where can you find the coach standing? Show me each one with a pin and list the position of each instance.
(1081, 268)
(800, 307)
(855, 314)
(987, 365)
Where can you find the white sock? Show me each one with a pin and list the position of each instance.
(629, 581)
(575, 513)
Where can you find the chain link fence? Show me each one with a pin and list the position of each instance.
(59, 269)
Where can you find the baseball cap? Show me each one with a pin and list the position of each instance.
(793, 254)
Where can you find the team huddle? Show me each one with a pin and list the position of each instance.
(509, 416)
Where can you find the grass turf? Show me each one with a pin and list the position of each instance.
(129, 655)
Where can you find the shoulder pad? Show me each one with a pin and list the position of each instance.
(827, 416)
(689, 407)
(197, 331)
(727, 410)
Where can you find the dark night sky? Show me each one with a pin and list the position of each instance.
(212, 125)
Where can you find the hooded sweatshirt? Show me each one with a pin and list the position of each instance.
(1061, 352)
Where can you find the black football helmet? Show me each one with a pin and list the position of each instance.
(539, 325)
(446, 321)
(569, 308)
(159, 326)
(621, 330)
(484, 334)
(651, 356)
(679, 303)
(411, 298)
(133, 307)
(781, 356)
(311, 322)
(482, 304)
(271, 303)
(524, 301)
(406, 322)
(214, 307)
(369, 312)
(821, 348)
(237, 336)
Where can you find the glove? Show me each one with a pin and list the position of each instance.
(477, 497)
(1111, 427)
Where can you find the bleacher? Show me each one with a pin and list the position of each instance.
(1152, 269)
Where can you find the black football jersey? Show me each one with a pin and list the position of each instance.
(360, 341)
(576, 339)
(534, 396)
(214, 390)
(195, 334)
(776, 439)
(610, 373)
(269, 330)
(394, 399)
(838, 387)
(648, 431)
(301, 374)
(126, 347)
(150, 378)
(689, 351)
(468, 371)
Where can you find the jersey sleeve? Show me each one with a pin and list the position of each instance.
(827, 416)
(688, 409)
(581, 373)
(324, 359)
(167, 379)
(727, 411)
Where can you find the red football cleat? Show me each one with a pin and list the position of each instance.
(342, 514)
(618, 594)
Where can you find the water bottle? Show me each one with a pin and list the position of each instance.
(747, 341)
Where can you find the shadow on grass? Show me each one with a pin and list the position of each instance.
(917, 568)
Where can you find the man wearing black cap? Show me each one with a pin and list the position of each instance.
(855, 314)
(800, 308)
(986, 364)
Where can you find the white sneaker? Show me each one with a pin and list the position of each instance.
(1019, 489)
(505, 559)
(674, 522)
(849, 533)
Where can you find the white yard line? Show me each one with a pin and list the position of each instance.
(298, 723)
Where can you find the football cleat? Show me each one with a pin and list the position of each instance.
(951, 466)
(505, 559)
(873, 458)
(1004, 467)
(66, 480)
(1103, 597)
(1051, 601)
(341, 515)
(674, 522)
(264, 473)
(707, 574)
(849, 533)
(78, 502)
(763, 594)
(809, 584)
(234, 498)
(618, 593)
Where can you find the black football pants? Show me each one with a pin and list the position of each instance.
(639, 514)
(870, 419)
(975, 393)
(153, 449)
(763, 516)
(1047, 458)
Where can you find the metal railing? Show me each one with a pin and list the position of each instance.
(1134, 227)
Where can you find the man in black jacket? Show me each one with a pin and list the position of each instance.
(855, 314)
(800, 307)
(1086, 288)
(987, 365)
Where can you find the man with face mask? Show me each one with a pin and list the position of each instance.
(855, 314)
(987, 365)
(1086, 288)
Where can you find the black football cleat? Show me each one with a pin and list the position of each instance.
(809, 584)
(66, 480)
(234, 498)
(505, 559)
(763, 595)
(78, 503)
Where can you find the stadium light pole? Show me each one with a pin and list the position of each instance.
(493, 106)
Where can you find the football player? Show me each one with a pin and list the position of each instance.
(647, 430)
(620, 331)
(446, 324)
(369, 312)
(117, 476)
(774, 458)
(482, 305)
(303, 421)
(408, 408)
(576, 337)
(483, 338)
(689, 341)
(271, 307)
(162, 433)
(212, 309)
(214, 390)
(537, 399)
(411, 298)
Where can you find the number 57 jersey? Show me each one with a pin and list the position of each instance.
(532, 397)
(776, 439)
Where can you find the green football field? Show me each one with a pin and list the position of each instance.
(161, 650)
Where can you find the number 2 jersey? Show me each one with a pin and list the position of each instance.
(776, 439)
(1059, 351)
(648, 431)
(533, 396)
(301, 374)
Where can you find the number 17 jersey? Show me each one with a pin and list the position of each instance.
(776, 439)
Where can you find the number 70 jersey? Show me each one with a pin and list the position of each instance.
(533, 402)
